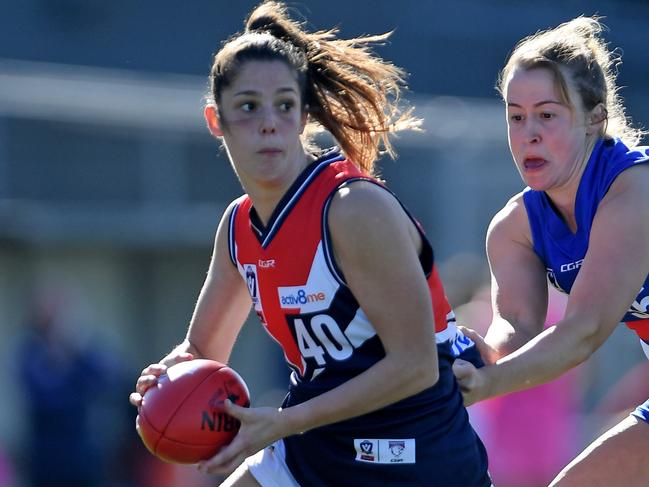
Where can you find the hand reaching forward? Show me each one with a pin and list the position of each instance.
(259, 428)
(487, 352)
(473, 381)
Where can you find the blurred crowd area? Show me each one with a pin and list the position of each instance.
(111, 190)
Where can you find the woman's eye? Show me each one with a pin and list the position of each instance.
(516, 118)
(547, 116)
(247, 106)
(286, 106)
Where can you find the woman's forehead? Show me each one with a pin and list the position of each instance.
(539, 84)
(260, 74)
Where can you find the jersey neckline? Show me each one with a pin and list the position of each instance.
(265, 233)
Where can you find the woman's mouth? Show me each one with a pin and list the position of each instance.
(531, 163)
(269, 151)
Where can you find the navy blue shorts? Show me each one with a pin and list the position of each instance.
(425, 439)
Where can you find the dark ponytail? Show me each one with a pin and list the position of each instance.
(346, 89)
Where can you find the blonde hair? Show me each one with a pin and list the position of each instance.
(345, 88)
(577, 46)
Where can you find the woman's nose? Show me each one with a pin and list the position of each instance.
(268, 122)
(532, 134)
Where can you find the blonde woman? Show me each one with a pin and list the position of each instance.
(581, 224)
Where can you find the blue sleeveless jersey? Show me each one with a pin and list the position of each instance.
(563, 252)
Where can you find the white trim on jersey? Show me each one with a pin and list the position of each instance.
(449, 333)
(232, 244)
(326, 244)
(645, 347)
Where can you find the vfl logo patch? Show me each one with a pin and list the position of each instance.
(249, 273)
(367, 450)
(251, 280)
(400, 451)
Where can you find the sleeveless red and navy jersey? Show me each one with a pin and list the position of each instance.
(298, 291)
(563, 252)
(302, 300)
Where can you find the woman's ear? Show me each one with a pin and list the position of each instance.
(303, 120)
(212, 120)
(597, 118)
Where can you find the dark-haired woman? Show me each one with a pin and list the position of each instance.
(339, 274)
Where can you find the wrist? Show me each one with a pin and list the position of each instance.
(292, 421)
(184, 351)
(489, 386)
(189, 347)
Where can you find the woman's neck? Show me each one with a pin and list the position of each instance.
(564, 198)
(267, 195)
(265, 203)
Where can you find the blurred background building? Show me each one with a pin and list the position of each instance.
(111, 188)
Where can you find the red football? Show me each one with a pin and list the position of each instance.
(181, 418)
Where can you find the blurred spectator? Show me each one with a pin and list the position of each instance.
(68, 385)
(7, 477)
(529, 435)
